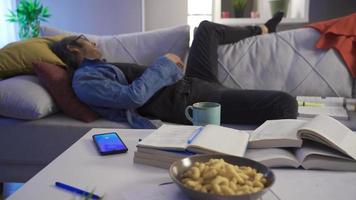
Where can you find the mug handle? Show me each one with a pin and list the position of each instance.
(187, 115)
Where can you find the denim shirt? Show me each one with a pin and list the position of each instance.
(105, 89)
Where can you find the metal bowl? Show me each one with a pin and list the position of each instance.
(179, 167)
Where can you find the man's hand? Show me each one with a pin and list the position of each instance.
(176, 59)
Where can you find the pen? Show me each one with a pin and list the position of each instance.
(76, 190)
(194, 135)
(311, 104)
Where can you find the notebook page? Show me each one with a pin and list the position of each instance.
(169, 136)
(221, 140)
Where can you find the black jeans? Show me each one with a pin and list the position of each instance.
(200, 84)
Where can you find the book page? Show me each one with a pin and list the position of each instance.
(328, 163)
(333, 111)
(317, 156)
(326, 130)
(277, 133)
(273, 157)
(313, 148)
(169, 137)
(220, 139)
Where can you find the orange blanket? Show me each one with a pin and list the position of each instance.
(339, 34)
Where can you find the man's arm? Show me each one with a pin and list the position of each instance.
(106, 88)
(132, 71)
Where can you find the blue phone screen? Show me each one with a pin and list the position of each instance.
(109, 142)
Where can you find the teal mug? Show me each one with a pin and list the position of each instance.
(204, 113)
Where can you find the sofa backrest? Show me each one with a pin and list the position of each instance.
(140, 48)
(286, 61)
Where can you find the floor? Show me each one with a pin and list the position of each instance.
(7, 189)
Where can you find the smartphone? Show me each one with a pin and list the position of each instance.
(109, 143)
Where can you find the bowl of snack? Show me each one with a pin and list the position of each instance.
(221, 177)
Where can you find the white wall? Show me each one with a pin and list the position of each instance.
(105, 17)
(164, 13)
(100, 17)
(124, 16)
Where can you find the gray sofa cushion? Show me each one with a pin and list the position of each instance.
(286, 61)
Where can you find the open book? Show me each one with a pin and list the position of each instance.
(291, 133)
(206, 139)
(311, 156)
(309, 106)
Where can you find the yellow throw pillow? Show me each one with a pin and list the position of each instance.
(16, 58)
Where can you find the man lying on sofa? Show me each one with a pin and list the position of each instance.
(162, 91)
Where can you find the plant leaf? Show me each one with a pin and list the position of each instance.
(28, 15)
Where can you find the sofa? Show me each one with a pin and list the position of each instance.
(284, 61)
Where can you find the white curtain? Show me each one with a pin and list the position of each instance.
(7, 29)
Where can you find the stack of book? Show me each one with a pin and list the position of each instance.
(310, 106)
(320, 143)
(172, 142)
(159, 158)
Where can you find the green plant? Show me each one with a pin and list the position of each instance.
(239, 4)
(29, 14)
(239, 7)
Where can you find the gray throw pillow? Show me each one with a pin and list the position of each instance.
(23, 97)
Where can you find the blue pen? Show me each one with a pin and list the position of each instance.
(77, 190)
(194, 135)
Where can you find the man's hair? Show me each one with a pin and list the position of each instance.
(61, 50)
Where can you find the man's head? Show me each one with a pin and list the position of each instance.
(73, 49)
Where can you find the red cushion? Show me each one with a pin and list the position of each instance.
(57, 81)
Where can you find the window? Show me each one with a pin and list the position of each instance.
(198, 10)
(258, 11)
(7, 29)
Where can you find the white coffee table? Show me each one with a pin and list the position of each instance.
(113, 175)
